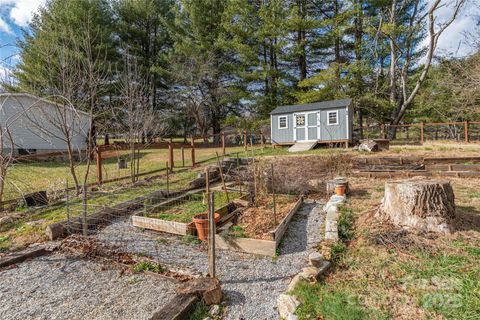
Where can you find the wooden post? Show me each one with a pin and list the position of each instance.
(67, 204)
(422, 138)
(84, 215)
(183, 156)
(221, 176)
(207, 181)
(211, 235)
(466, 132)
(274, 198)
(245, 140)
(384, 136)
(168, 178)
(223, 143)
(170, 155)
(262, 139)
(99, 166)
(193, 151)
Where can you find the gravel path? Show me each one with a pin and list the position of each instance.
(57, 287)
(251, 283)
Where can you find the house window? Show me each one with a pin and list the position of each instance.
(282, 122)
(332, 118)
(300, 120)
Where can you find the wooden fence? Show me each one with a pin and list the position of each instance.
(458, 131)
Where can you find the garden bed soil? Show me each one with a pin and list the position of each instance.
(165, 221)
(257, 222)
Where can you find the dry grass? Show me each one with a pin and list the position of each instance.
(402, 275)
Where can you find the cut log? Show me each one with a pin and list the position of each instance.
(422, 205)
(206, 288)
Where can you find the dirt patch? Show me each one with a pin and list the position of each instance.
(306, 174)
(258, 222)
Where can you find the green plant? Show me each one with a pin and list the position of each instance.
(338, 252)
(346, 221)
(200, 311)
(189, 239)
(162, 241)
(146, 265)
(4, 239)
(237, 232)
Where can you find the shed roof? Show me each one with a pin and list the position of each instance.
(313, 106)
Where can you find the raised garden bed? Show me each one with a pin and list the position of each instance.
(175, 215)
(254, 230)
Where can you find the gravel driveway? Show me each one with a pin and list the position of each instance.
(60, 287)
(251, 283)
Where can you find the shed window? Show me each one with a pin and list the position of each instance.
(332, 118)
(300, 120)
(282, 122)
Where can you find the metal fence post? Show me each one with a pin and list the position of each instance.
(99, 165)
(211, 234)
(274, 197)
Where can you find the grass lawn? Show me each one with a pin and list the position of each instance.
(32, 228)
(183, 210)
(28, 177)
(384, 273)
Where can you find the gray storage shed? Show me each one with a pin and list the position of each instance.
(326, 121)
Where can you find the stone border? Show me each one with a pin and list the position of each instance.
(317, 266)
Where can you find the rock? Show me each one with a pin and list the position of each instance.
(310, 272)
(315, 259)
(215, 310)
(368, 146)
(323, 269)
(291, 316)
(294, 282)
(286, 305)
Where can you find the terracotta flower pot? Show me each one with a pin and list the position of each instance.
(340, 190)
(201, 223)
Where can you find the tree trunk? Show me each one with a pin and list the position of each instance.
(422, 205)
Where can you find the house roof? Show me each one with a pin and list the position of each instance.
(313, 106)
(31, 96)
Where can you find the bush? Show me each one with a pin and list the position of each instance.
(346, 222)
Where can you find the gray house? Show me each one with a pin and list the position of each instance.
(319, 122)
(37, 125)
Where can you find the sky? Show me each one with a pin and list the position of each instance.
(16, 14)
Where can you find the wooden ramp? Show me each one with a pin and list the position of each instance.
(303, 146)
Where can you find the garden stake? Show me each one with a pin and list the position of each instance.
(84, 216)
(183, 156)
(211, 235)
(221, 176)
(168, 180)
(274, 200)
(67, 205)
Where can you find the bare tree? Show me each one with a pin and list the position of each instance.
(7, 148)
(135, 117)
(435, 30)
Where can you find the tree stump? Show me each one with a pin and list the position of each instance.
(423, 205)
(208, 289)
